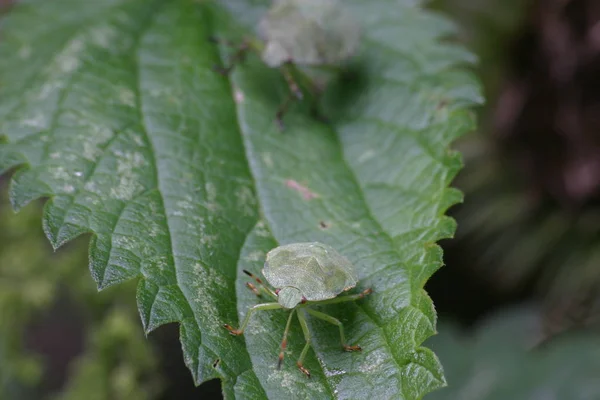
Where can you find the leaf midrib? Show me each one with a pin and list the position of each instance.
(400, 364)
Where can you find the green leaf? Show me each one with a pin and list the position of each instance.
(113, 111)
(504, 359)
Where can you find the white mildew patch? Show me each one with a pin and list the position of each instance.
(373, 362)
(367, 155)
(209, 276)
(185, 204)
(160, 262)
(155, 229)
(210, 311)
(141, 249)
(103, 36)
(333, 372)
(206, 282)
(209, 240)
(245, 200)
(37, 121)
(49, 88)
(68, 189)
(92, 187)
(261, 229)
(138, 140)
(294, 381)
(59, 174)
(125, 242)
(255, 256)
(161, 92)
(196, 226)
(126, 97)
(267, 159)
(128, 178)
(95, 201)
(210, 192)
(70, 59)
(95, 136)
(258, 325)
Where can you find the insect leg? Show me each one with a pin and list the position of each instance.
(263, 287)
(352, 297)
(314, 89)
(304, 325)
(284, 340)
(238, 57)
(295, 94)
(283, 108)
(336, 322)
(258, 307)
(220, 40)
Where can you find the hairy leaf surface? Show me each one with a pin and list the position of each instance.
(112, 110)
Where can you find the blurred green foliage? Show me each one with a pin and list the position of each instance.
(117, 362)
(508, 357)
(487, 27)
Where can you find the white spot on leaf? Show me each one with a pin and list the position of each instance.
(127, 97)
(261, 229)
(267, 159)
(367, 155)
(255, 256)
(103, 36)
(70, 60)
(128, 165)
(245, 200)
(372, 362)
(38, 121)
(239, 96)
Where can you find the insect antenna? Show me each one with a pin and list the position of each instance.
(253, 288)
(263, 287)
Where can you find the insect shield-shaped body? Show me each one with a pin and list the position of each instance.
(308, 32)
(304, 274)
(308, 272)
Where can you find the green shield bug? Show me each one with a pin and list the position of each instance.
(304, 274)
(308, 32)
(300, 32)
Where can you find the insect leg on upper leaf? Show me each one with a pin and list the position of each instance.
(297, 80)
(238, 57)
(295, 93)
